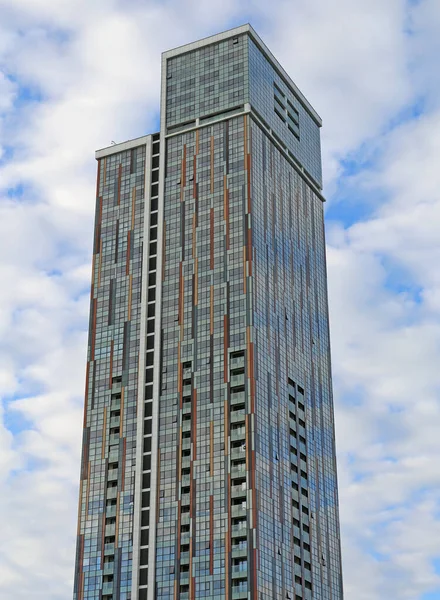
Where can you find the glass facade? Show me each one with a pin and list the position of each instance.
(209, 324)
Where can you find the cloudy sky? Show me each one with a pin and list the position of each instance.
(77, 74)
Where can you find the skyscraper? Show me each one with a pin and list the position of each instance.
(208, 466)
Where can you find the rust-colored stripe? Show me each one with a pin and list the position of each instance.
(112, 346)
(197, 141)
(119, 183)
(127, 263)
(104, 433)
(212, 164)
(130, 293)
(81, 574)
(211, 239)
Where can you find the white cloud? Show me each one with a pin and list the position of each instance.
(95, 65)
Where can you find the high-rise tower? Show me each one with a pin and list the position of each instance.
(208, 466)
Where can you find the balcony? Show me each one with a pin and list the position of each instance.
(186, 499)
(184, 578)
(109, 568)
(186, 426)
(186, 444)
(109, 549)
(239, 594)
(186, 390)
(239, 490)
(186, 373)
(238, 398)
(110, 511)
(237, 362)
(185, 519)
(112, 493)
(186, 480)
(110, 530)
(186, 409)
(238, 416)
(186, 462)
(238, 470)
(107, 588)
(238, 453)
(115, 422)
(112, 475)
(239, 530)
(113, 455)
(185, 537)
(114, 439)
(240, 591)
(238, 434)
(184, 558)
(237, 380)
(184, 595)
(239, 571)
(238, 510)
(239, 550)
